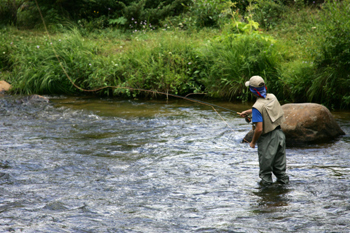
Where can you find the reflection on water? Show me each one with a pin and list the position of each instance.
(271, 197)
(108, 165)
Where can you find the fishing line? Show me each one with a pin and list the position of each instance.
(130, 88)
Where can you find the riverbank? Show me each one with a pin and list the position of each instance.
(290, 56)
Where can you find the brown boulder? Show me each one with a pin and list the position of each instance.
(307, 123)
(4, 86)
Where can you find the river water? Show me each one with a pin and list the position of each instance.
(82, 164)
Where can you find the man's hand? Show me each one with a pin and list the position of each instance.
(245, 113)
(252, 145)
(257, 132)
(242, 114)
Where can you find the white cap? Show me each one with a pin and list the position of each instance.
(255, 81)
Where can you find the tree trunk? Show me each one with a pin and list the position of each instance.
(14, 5)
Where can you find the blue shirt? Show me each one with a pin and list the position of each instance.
(256, 116)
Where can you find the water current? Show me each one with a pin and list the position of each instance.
(82, 164)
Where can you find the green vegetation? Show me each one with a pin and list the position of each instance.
(300, 48)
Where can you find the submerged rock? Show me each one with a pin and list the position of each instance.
(34, 99)
(307, 123)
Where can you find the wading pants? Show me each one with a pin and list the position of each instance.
(272, 157)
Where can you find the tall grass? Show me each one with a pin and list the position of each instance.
(316, 69)
(231, 59)
(36, 68)
(303, 58)
(166, 61)
(332, 79)
(161, 61)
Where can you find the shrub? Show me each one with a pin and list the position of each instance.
(298, 77)
(267, 12)
(209, 13)
(8, 11)
(138, 16)
(332, 81)
(5, 50)
(5, 13)
(163, 64)
(37, 70)
(233, 58)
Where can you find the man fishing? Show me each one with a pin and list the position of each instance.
(267, 116)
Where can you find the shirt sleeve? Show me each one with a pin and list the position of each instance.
(256, 116)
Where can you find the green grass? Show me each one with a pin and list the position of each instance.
(289, 55)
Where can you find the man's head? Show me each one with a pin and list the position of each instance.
(256, 82)
(257, 86)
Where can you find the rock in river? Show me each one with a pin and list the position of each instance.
(34, 99)
(307, 123)
(4, 86)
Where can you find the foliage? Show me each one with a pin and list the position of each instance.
(90, 13)
(233, 58)
(37, 70)
(332, 80)
(5, 50)
(298, 77)
(139, 16)
(8, 11)
(163, 64)
(267, 12)
(119, 21)
(308, 62)
(209, 13)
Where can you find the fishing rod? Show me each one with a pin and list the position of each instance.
(247, 118)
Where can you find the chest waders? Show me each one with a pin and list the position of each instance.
(272, 157)
(272, 141)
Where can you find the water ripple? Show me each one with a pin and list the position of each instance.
(92, 165)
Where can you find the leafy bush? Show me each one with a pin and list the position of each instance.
(164, 64)
(138, 16)
(5, 13)
(233, 58)
(267, 12)
(8, 11)
(209, 13)
(37, 70)
(298, 77)
(5, 49)
(332, 81)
